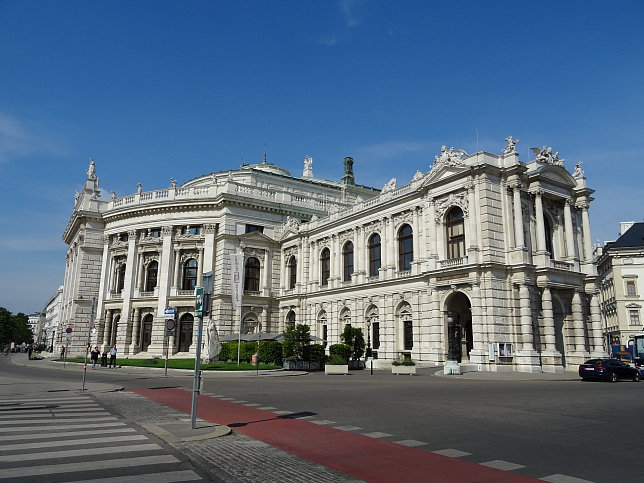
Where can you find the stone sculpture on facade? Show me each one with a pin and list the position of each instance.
(173, 183)
(139, 188)
(544, 155)
(510, 146)
(91, 172)
(389, 186)
(308, 167)
(449, 158)
(578, 173)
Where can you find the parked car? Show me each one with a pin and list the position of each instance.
(608, 370)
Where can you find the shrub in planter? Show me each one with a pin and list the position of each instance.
(336, 359)
(403, 362)
(228, 351)
(353, 337)
(342, 350)
(297, 339)
(270, 351)
(316, 353)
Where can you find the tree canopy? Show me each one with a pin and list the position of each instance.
(14, 328)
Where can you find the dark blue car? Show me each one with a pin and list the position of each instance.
(608, 370)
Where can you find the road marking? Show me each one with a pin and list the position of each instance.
(252, 404)
(48, 414)
(69, 453)
(377, 434)
(61, 434)
(267, 408)
(92, 466)
(284, 413)
(411, 443)
(323, 421)
(563, 479)
(21, 422)
(167, 477)
(503, 465)
(72, 442)
(67, 426)
(452, 453)
(347, 428)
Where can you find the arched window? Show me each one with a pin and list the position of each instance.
(374, 255)
(189, 274)
(251, 275)
(185, 332)
(407, 328)
(455, 227)
(120, 283)
(250, 325)
(146, 336)
(292, 272)
(325, 267)
(547, 227)
(322, 327)
(290, 318)
(151, 277)
(374, 320)
(347, 261)
(405, 248)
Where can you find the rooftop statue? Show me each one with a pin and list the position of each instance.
(510, 145)
(390, 186)
(578, 172)
(544, 155)
(173, 183)
(91, 172)
(450, 158)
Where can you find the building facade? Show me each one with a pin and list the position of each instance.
(620, 266)
(495, 249)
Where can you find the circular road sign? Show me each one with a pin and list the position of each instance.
(170, 324)
(68, 330)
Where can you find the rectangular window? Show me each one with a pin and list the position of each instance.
(191, 230)
(630, 288)
(252, 228)
(376, 335)
(155, 232)
(634, 316)
(408, 335)
(505, 349)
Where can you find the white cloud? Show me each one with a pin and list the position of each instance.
(17, 140)
(329, 41)
(349, 10)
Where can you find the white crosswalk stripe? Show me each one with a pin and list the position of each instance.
(67, 438)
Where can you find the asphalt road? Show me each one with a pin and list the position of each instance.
(560, 426)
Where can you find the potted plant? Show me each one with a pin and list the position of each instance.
(403, 365)
(338, 360)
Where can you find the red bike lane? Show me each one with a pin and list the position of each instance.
(362, 457)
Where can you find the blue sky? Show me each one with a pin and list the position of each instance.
(157, 89)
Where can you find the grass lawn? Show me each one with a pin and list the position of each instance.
(184, 364)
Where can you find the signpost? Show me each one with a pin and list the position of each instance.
(68, 336)
(170, 326)
(202, 306)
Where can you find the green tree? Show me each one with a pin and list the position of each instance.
(14, 328)
(353, 337)
(297, 339)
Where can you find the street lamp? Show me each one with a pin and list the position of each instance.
(369, 353)
(452, 367)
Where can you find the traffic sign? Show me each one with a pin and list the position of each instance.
(68, 330)
(170, 324)
(169, 313)
(199, 301)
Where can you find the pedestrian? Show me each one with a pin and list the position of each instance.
(113, 356)
(94, 356)
(30, 349)
(62, 351)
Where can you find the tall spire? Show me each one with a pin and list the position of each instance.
(265, 153)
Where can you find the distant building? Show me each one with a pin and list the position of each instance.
(53, 331)
(620, 267)
(496, 250)
(36, 322)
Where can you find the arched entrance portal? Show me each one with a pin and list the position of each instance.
(185, 332)
(459, 307)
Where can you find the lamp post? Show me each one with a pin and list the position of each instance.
(451, 366)
(369, 354)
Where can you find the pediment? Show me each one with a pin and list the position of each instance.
(444, 172)
(256, 237)
(556, 175)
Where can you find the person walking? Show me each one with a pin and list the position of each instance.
(94, 356)
(62, 351)
(113, 356)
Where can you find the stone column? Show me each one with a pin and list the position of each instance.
(519, 240)
(126, 316)
(548, 321)
(597, 339)
(417, 234)
(105, 273)
(541, 232)
(526, 318)
(587, 240)
(473, 222)
(479, 350)
(266, 276)
(177, 269)
(133, 336)
(140, 279)
(570, 239)
(163, 282)
(578, 322)
(107, 333)
(392, 248)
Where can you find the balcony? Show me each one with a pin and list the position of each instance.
(453, 262)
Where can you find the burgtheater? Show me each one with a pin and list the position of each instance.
(480, 256)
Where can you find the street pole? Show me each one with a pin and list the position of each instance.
(90, 324)
(202, 305)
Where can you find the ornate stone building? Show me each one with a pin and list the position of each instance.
(497, 248)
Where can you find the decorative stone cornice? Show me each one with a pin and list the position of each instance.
(454, 199)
